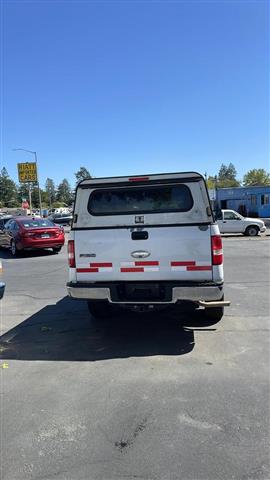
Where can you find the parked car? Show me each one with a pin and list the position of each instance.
(26, 233)
(35, 213)
(144, 243)
(230, 221)
(61, 218)
(52, 211)
(4, 219)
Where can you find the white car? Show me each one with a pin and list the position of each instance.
(230, 221)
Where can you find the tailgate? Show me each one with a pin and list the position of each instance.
(180, 253)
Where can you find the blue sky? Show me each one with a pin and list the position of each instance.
(131, 87)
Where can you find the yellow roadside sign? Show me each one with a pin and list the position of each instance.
(27, 172)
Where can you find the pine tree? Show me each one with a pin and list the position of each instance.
(51, 191)
(8, 190)
(82, 174)
(64, 193)
(227, 176)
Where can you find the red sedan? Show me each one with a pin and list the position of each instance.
(26, 233)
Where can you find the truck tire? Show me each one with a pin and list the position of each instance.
(100, 309)
(13, 249)
(252, 231)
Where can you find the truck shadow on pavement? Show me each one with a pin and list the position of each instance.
(66, 332)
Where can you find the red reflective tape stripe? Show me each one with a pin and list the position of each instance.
(146, 264)
(183, 264)
(87, 270)
(199, 267)
(104, 264)
(132, 269)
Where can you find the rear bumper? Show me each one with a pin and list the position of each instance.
(49, 243)
(192, 293)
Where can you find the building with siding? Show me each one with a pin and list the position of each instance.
(249, 201)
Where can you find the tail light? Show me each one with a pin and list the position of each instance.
(217, 252)
(58, 231)
(28, 234)
(138, 179)
(71, 254)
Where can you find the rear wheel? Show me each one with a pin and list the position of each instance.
(13, 248)
(252, 231)
(56, 249)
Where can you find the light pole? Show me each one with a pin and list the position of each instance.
(39, 195)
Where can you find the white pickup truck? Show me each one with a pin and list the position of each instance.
(145, 242)
(230, 221)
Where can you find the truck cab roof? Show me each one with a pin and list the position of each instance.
(140, 178)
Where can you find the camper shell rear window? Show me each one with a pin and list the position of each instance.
(144, 199)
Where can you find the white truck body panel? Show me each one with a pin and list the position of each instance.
(175, 248)
(166, 247)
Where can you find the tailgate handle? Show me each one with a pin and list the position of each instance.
(139, 235)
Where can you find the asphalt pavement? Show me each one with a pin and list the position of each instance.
(147, 397)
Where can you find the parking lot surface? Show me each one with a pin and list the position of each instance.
(138, 397)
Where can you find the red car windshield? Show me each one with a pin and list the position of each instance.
(37, 223)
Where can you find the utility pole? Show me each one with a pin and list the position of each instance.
(39, 194)
(30, 197)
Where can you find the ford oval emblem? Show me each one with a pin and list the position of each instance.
(140, 254)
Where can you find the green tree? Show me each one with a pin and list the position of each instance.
(8, 190)
(51, 191)
(211, 182)
(64, 193)
(82, 174)
(257, 176)
(35, 197)
(45, 199)
(227, 176)
(23, 192)
(58, 204)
